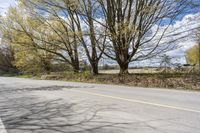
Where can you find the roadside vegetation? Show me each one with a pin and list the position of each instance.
(68, 39)
(182, 81)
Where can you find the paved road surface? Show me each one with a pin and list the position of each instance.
(34, 106)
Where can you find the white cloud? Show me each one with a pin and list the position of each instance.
(4, 4)
(187, 27)
(180, 34)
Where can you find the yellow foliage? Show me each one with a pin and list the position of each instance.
(193, 55)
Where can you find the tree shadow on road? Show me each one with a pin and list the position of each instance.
(22, 113)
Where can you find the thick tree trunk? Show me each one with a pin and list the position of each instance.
(76, 66)
(123, 68)
(123, 62)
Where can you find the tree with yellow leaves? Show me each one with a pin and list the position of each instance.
(28, 58)
(193, 55)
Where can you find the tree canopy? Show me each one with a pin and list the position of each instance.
(70, 30)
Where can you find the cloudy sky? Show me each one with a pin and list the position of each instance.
(184, 23)
(4, 4)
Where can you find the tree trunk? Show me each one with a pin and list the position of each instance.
(46, 64)
(95, 69)
(122, 59)
(199, 57)
(94, 57)
(123, 68)
(76, 67)
(75, 60)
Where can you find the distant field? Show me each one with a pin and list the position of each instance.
(142, 70)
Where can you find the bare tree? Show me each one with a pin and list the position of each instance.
(130, 23)
(87, 12)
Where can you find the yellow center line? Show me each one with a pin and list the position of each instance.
(138, 101)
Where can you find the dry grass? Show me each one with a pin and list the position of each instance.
(137, 71)
(158, 80)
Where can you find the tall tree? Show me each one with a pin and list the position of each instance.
(94, 36)
(130, 24)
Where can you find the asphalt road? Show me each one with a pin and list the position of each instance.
(35, 106)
